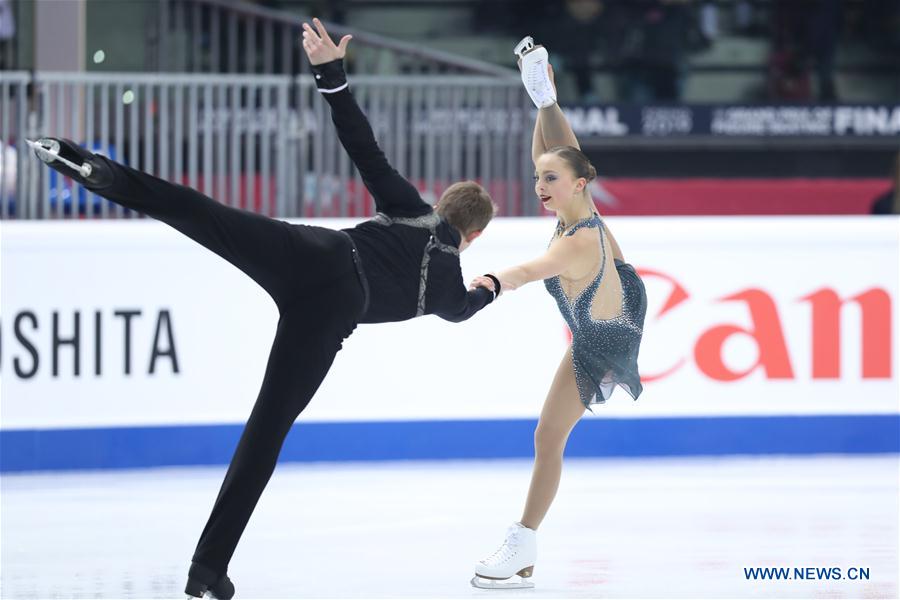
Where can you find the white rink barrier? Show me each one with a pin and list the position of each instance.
(123, 340)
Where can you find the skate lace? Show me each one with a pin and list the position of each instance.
(535, 79)
(506, 551)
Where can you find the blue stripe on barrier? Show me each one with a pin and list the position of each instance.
(133, 447)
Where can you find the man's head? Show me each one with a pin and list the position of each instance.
(468, 207)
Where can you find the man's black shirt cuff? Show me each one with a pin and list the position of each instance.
(330, 77)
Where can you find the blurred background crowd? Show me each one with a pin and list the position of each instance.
(613, 59)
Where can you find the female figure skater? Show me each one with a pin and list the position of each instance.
(599, 295)
(400, 265)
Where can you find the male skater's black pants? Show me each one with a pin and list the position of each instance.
(311, 275)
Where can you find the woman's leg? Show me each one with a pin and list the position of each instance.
(561, 412)
(551, 128)
(555, 128)
(537, 140)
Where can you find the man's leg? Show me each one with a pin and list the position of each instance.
(309, 335)
(267, 250)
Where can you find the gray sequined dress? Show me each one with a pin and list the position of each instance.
(604, 352)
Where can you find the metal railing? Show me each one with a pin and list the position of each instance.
(17, 176)
(229, 36)
(10, 28)
(263, 143)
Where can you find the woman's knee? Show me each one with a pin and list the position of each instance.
(549, 441)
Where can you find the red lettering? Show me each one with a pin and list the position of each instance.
(677, 295)
(877, 355)
(765, 331)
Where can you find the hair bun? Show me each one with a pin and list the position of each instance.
(576, 160)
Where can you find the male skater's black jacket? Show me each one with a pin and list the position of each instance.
(392, 253)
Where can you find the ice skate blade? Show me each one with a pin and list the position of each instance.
(494, 584)
(524, 47)
(48, 151)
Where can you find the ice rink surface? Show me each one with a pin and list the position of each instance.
(633, 528)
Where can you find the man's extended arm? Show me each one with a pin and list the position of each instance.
(393, 194)
(471, 303)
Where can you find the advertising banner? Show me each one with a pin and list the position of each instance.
(128, 324)
(770, 121)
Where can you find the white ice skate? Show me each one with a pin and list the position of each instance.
(516, 556)
(535, 75)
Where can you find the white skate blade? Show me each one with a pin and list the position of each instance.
(524, 46)
(505, 584)
(50, 152)
(47, 153)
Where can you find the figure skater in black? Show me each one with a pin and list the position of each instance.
(402, 264)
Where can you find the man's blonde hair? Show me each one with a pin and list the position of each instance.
(466, 206)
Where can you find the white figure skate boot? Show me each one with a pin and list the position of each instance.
(535, 72)
(516, 556)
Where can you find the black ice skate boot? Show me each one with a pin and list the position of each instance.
(202, 579)
(70, 159)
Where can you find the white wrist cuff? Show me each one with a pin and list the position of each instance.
(335, 90)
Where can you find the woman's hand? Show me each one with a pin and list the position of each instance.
(318, 45)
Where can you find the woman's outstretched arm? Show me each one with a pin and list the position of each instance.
(562, 253)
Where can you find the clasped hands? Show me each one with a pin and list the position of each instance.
(488, 283)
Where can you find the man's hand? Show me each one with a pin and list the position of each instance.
(484, 282)
(488, 284)
(318, 45)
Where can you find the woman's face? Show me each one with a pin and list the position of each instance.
(555, 183)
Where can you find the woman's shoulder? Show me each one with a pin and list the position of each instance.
(584, 234)
(577, 248)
